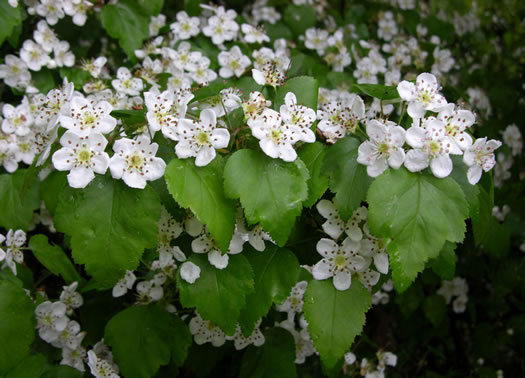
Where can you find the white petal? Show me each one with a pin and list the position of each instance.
(416, 110)
(269, 148)
(326, 209)
(415, 136)
(342, 280)
(190, 272)
(406, 90)
(474, 174)
(218, 260)
(63, 159)
(205, 156)
(322, 270)
(381, 262)
(376, 167)
(416, 160)
(220, 138)
(397, 158)
(79, 177)
(326, 246)
(441, 166)
(287, 152)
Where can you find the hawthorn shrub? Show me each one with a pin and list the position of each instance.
(273, 189)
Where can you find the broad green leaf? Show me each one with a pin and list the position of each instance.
(305, 88)
(335, 317)
(211, 90)
(419, 212)
(312, 154)
(76, 76)
(110, 225)
(50, 189)
(219, 294)
(277, 30)
(17, 328)
(347, 178)
(275, 358)
(43, 80)
(299, 18)
(410, 300)
(201, 190)
(435, 309)
(19, 198)
(53, 258)
(271, 190)
(275, 270)
(444, 265)
(382, 92)
(130, 117)
(9, 18)
(143, 338)
(31, 366)
(128, 22)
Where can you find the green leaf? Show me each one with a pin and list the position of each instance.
(76, 76)
(9, 18)
(348, 179)
(335, 317)
(444, 265)
(435, 309)
(31, 366)
(276, 270)
(110, 225)
(130, 117)
(44, 80)
(482, 221)
(299, 18)
(312, 154)
(201, 190)
(419, 212)
(410, 300)
(143, 338)
(152, 6)
(19, 194)
(275, 358)
(17, 328)
(53, 258)
(459, 174)
(211, 90)
(61, 371)
(271, 190)
(218, 294)
(306, 91)
(51, 187)
(128, 22)
(382, 92)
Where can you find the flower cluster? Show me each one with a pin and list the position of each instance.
(457, 289)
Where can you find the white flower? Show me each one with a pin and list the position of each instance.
(51, 320)
(70, 337)
(480, 157)
(512, 138)
(295, 301)
(202, 74)
(349, 358)
(185, 27)
(124, 284)
(384, 147)
(206, 244)
(253, 35)
(275, 139)
(338, 262)
(127, 84)
(150, 291)
(100, 368)
(17, 120)
(78, 10)
(299, 116)
(83, 156)
(372, 247)
(457, 121)
(168, 230)
(421, 96)
(50, 107)
(134, 162)
(14, 241)
(233, 62)
(304, 346)
(190, 272)
(74, 357)
(268, 74)
(63, 56)
(156, 23)
(87, 116)
(338, 119)
(241, 341)
(8, 152)
(221, 26)
(14, 72)
(431, 147)
(205, 331)
(94, 67)
(71, 298)
(387, 27)
(33, 55)
(200, 139)
(183, 58)
(165, 110)
(45, 36)
(316, 39)
(254, 106)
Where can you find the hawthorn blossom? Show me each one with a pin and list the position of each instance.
(253, 34)
(33, 55)
(375, 248)
(240, 341)
(54, 104)
(298, 116)
(221, 26)
(421, 96)
(457, 121)
(205, 331)
(78, 9)
(124, 284)
(201, 139)
(316, 39)
(295, 301)
(384, 147)
(45, 36)
(87, 116)
(338, 262)
(50, 9)
(480, 157)
(254, 106)
(83, 156)
(268, 74)
(165, 111)
(51, 320)
(334, 225)
(275, 138)
(185, 27)
(206, 244)
(431, 147)
(126, 84)
(151, 291)
(512, 138)
(71, 298)
(100, 368)
(233, 62)
(304, 346)
(14, 241)
(17, 120)
(202, 73)
(134, 161)
(338, 119)
(94, 66)
(14, 72)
